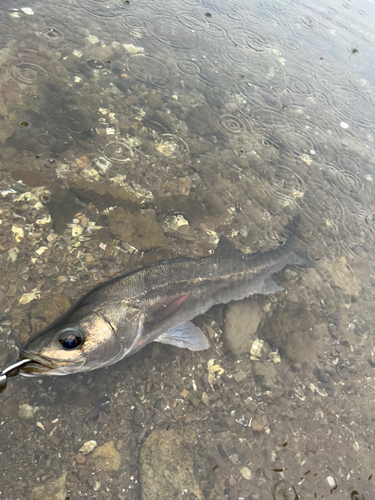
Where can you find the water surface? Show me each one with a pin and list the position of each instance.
(132, 131)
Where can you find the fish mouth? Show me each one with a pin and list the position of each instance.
(41, 365)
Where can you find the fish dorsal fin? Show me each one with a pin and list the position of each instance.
(226, 247)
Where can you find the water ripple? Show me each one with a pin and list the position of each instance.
(148, 69)
(28, 73)
(105, 9)
(231, 124)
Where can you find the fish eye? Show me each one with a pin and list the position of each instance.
(70, 338)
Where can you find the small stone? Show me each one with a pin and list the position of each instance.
(190, 397)
(105, 457)
(88, 446)
(167, 465)
(246, 473)
(84, 475)
(258, 423)
(10, 407)
(311, 447)
(344, 125)
(54, 489)
(26, 412)
(205, 399)
(120, 444)
(97, 486)
(264, 373)
(80, 459)
(239, 376)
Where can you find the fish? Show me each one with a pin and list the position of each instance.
(158, 302)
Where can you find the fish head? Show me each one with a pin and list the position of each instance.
(73, 346)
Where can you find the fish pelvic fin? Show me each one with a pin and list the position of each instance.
(185, 336)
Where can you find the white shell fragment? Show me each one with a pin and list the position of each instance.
(344, 125)
(331, 482)
(28, 297)
(28, 11)
(88, 447)
(256, 348)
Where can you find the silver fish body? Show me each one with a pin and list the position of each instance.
(155, 303)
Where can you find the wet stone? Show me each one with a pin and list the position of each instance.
(167, 466)
(80, 459)
(296, 332)
(10, 407)
(140, 230)
(264, 373)
(241, 323)
(105, 457)
(55, 489)
(239, 376)
(26, 412)
(47, 309)
(311, 447)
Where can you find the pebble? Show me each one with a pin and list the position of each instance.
(239, 376)
(205, 399)
(344, 125)
(26, 412)
(10, 407)
(80, 459)
(190, 397)
(311, 447)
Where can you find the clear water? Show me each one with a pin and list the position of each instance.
(194, 119)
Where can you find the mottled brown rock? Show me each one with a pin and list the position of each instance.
(140, 230)
(241, 322)
(105, 457)
(296, 331)
(167, 466)
(54, 489)
(47, 309)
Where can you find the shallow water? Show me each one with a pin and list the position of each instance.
(135, 131)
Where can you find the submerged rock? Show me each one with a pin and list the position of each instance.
(296, 331)
(48, 309)
(242, 320)
(167, 466)
(264, 373)
(105, 457)
(140, 230)
(51, 490)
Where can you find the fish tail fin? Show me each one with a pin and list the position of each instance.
(298, 257)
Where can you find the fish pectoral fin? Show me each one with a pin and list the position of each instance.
(186, 336)
(169, 310)
(270, 286)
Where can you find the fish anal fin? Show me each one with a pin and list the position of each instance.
(185, 336)
(270, 286)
